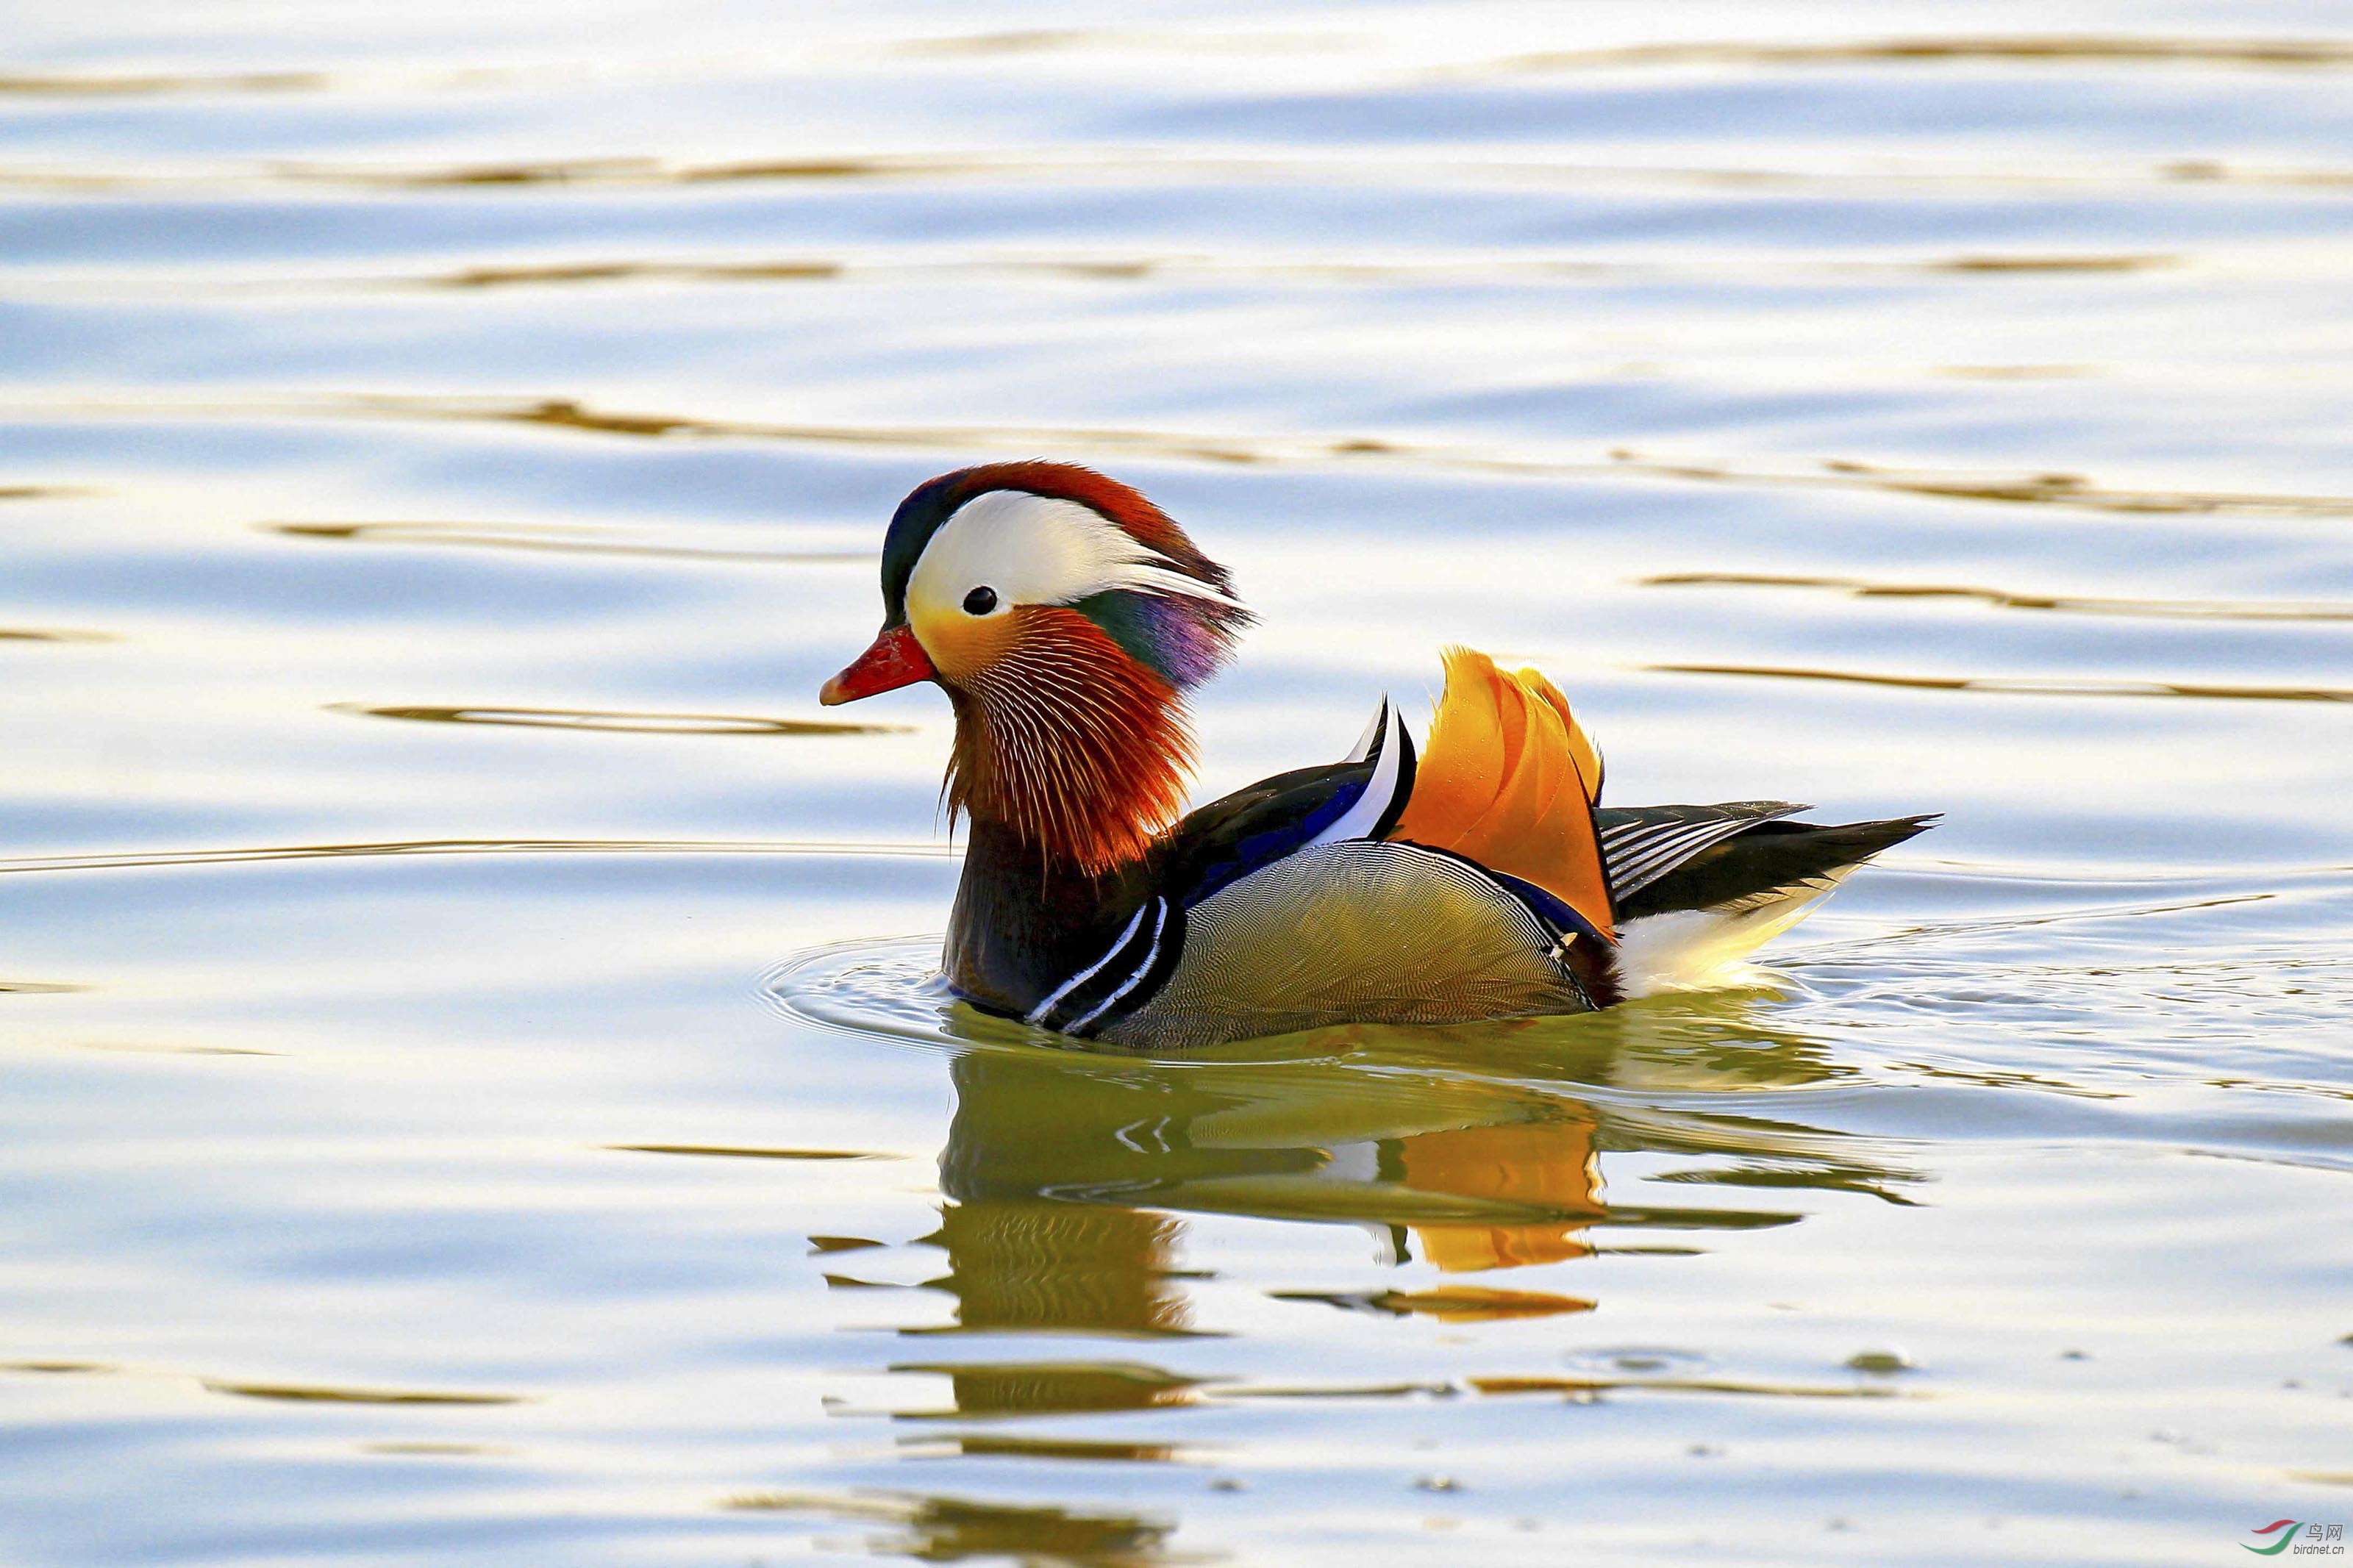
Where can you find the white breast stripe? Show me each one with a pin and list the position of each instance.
(1359, 820)
(1037, 1015)
(1160, 924)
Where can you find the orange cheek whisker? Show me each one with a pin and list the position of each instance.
(1070, 742)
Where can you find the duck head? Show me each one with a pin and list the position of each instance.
(1065, 615)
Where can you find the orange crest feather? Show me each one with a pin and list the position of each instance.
(1509, 780)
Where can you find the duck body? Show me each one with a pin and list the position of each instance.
(1477, 879)
(1282, 907)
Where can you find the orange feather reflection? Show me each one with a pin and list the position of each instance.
(1546, 1164)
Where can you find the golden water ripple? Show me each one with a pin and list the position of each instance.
(2068, 491)
(2048, 263)
(1113, 162)
(938, 1528)
(821, 1245)
(624, 723)
(2302, 53)
(734, 1151)
(2172, 609)
(1148, 267)
(999, 1444)
(1056, 40)
(1579, 1388)
(1588, 1387)
(849, 1282)
(2070, 48)
(143, 860)
(142, 1048)
(565, 540)
(614, 271)
(50, 634)
(1023, 41)
(63, 84)
(1132, 266)
(287, 1393)
(310, 1393)
(2021, 685)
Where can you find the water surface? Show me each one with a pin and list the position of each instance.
(475, 1090)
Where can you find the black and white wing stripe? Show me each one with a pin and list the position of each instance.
(1642, 844)
(1142, 951)
(1377, 810)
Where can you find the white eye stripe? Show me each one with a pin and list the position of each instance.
(1039, 550)
(1152, 576)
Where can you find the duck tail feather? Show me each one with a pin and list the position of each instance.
(1761, 863)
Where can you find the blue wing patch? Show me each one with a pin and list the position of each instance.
(1253, 828)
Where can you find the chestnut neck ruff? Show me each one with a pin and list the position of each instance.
(1072, 745)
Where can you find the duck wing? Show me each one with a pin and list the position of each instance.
(1642, 844)
(1357, 930)
(1286, 906)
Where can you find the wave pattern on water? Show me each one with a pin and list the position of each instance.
(2067, 491)
(2054, 49)
(312, 1393)
(163, 858)
(2163, 609)
(51, 633)
(427, 1074)
(2303, 53)
(1111, 164)
(568, 540)
(2023, 685)
(624, 723)
(1364, 268)
(720, 1151)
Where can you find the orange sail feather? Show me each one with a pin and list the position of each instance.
(1509, 780)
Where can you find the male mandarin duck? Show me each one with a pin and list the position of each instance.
(1065, 617)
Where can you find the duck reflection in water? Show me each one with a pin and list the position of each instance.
(1065, 1171)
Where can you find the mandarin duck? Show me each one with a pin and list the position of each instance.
(1065, 615)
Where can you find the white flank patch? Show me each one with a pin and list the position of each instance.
(1706, 950)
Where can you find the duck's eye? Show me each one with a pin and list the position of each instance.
(980, 601)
